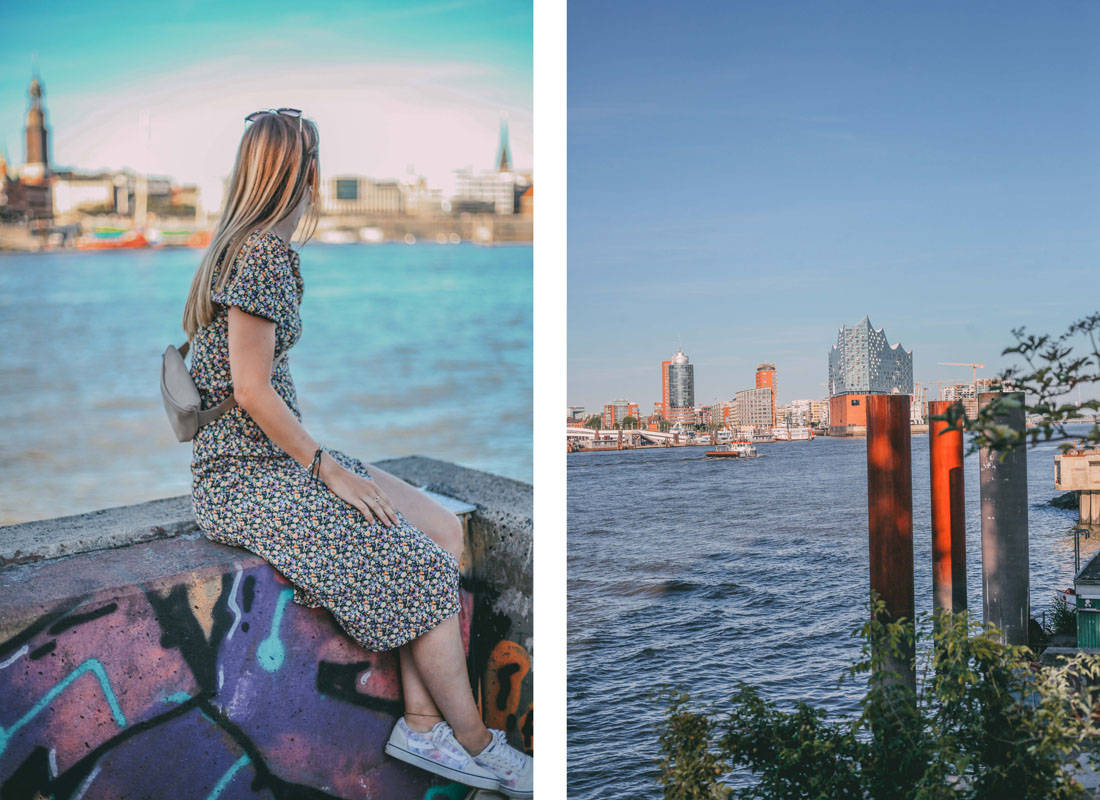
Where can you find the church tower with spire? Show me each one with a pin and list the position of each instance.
(504, 152)
(36, 166)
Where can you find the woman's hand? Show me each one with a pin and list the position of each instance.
(357, 491)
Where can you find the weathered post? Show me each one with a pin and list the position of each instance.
(890, 514)
(945, 463)
(1005, 583)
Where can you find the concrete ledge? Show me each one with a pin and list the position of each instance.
(118, 527)
(1057, 656)
(96, 530)
(137, 654)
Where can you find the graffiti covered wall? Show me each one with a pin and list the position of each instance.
(209, 683)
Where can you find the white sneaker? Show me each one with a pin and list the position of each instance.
(439, 752)
(515, 770)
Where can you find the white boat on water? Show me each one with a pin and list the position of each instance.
(792, 433)
(733, 450)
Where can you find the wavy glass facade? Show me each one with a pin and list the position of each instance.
(864, 362)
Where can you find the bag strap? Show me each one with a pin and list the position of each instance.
(211, 414)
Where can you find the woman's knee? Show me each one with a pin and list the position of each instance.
(450, 536)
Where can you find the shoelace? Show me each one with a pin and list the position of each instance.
(505, 752)
(440, 733)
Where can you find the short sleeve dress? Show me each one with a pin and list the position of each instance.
(385, 586)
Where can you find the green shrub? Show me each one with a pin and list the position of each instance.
(1063, 618)
(985, 723)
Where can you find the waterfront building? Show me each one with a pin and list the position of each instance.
(808, 412)
(27, 196)
(681, 382)
(420, 200)
(968, 393)
(755, 408)
(496, 191)
(787, 415)
(117, 193)
(577, 414)
(359, 196)
(718, 414)
(863, 363)
(766, 378)
(666, 406)
(614, 413)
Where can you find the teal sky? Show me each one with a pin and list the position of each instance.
(390, 84)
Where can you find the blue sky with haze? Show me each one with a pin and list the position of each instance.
(750, 176)
(389, 83)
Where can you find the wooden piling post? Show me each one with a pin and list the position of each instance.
(890, 514)
(945, 462)
(1005, 569)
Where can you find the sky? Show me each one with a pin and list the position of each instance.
(391, 85)
(744, 178)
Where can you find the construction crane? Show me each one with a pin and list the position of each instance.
(973, 367)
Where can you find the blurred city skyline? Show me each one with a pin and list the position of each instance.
(396, 89)
(744, 179)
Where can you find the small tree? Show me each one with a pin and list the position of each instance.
(1054, 368)
(985, 724)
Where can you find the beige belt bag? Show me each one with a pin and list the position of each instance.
(181, 395)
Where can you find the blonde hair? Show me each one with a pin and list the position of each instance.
(275, 164)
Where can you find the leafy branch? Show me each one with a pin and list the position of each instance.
(1053, 368)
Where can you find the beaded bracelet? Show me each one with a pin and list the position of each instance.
(315, 464)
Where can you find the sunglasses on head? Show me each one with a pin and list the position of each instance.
(289, 112)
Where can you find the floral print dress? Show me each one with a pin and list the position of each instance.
(385, 586)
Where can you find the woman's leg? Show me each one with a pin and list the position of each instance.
(421, 712)
(433, 666)
(440, 662)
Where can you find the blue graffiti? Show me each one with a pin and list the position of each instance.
(93, 666)
(219, 787)
(270, 653)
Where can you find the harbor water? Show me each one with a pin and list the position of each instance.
(422, 349)
(695, 573)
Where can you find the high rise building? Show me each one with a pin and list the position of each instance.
(766, 378)
(666, 405)
(681, 388)
(756, 408)
(862, 363)
(616, 412)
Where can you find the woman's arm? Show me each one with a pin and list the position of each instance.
(251, 352)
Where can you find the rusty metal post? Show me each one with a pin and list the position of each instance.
(1005, 568)
(945, 463)
(890, 514)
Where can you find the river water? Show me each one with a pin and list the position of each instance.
(420, 349)
(695, 573)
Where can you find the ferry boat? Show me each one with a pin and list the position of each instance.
(733, 450)
(793, 433)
